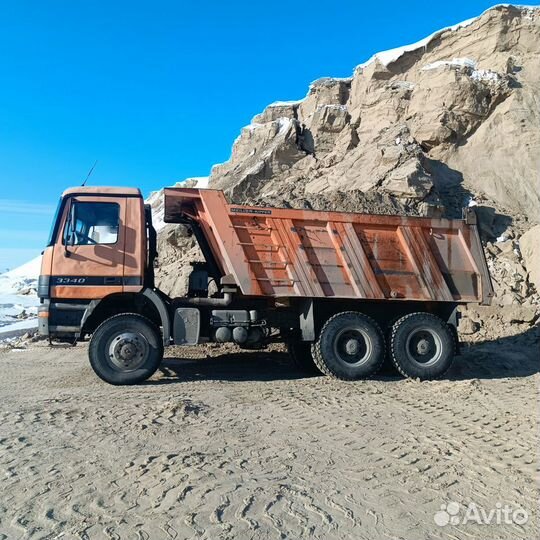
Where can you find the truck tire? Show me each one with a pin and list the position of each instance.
(388, 367)
(350, 346)
(126, 349)
(300, 353)
(422, 346)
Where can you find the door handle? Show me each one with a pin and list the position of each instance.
(111, 281)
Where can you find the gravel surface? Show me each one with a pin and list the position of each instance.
(230, 444)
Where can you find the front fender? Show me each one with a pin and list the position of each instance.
(161, 307)
(149, 296)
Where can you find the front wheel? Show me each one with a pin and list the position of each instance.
(422, 346)
(350, 346)
(125, 349)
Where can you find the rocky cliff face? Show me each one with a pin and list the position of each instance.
(421, 130)
(428, 129)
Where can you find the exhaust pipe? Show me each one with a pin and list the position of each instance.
(214, 302)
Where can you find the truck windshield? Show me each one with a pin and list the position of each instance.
(55, 224)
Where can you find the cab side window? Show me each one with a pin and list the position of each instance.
(92, 223)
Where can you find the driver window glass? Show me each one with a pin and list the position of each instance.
(92, 223)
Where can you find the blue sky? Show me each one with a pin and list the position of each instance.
(157, 91)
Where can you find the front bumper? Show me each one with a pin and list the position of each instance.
(60, 319)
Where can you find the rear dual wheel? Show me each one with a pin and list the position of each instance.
(350, 347)
(422, 346)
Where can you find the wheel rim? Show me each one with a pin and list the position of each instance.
(353, 346)
(424, 346)
(128, 351)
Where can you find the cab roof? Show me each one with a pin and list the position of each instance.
(102, 190)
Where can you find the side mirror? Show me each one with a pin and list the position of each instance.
(69, 237)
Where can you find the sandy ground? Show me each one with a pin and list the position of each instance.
(240, 445)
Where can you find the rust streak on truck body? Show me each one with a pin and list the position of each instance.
(277, 252)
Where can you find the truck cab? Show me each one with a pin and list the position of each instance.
(97, 248)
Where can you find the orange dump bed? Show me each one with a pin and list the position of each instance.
(304, 253)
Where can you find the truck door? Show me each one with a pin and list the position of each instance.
(88, 257)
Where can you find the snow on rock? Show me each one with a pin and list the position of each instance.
(285, 103)
(328, 81)
(455, 63)
(284, 124)
(156, 200)
(391, 55)
(201, 181)
(18, 299)
(252, 127)
(486, 75)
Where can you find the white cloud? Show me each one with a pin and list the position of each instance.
(33, 236)
(12, 206)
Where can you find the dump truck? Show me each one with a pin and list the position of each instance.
(343, 291)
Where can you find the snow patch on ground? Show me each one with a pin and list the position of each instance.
(18, 299)
(10, 332)
(21, 280)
